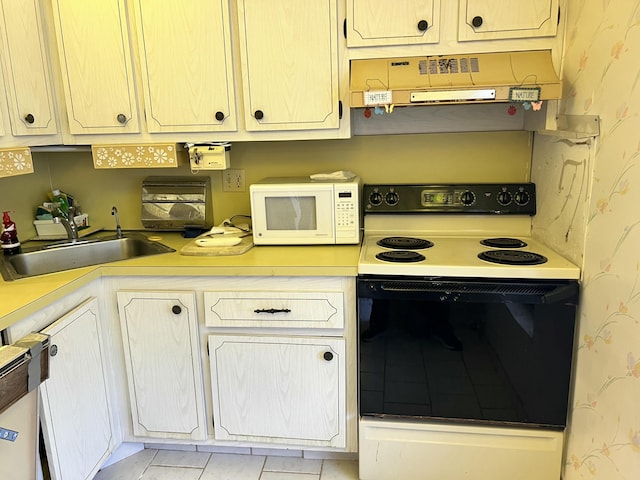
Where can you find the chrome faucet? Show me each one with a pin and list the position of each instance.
(68, 222)
(114, 211)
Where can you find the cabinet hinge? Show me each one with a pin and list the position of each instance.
(208, 354)
(344, 28)
(340, 109)
(558, 15)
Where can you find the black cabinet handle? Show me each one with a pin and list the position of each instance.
(259, 114)
(477, 21)
(29, 118)
(423, 25)
(328, 356)
(121, 118)
(176, 309)
(272, 310)
(219, 116)
(53, 350)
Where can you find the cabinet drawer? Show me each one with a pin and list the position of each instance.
(284, 309)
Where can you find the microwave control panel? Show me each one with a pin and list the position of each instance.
(347, 212)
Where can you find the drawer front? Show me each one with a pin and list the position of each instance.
(274, 309)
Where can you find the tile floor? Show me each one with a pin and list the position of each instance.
(152, 464)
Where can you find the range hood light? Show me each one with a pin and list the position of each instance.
(453, 95)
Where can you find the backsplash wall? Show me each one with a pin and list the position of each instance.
(461, 157)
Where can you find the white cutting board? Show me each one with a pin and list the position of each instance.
(194, 249)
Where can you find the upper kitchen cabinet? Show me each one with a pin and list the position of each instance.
(492, 19)
(30, 109)
(186, 65)
(289, 58)
(96, 66)
(386, 28)
(380, 22)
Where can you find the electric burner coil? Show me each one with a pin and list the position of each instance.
(512, 257)
(405, 243)
(400, 256)
(503, 242)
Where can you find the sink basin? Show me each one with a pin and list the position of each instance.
(67, 256)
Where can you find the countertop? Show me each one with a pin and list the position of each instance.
(23, 297)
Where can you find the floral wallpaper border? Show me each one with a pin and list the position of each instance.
(156, 155)
(15, 161)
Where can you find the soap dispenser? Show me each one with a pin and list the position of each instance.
(9, 236)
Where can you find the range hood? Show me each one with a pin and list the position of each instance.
(526, 76)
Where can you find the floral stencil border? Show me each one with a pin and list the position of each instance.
(15, 161)
(156, 155)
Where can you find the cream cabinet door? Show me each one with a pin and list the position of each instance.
(95, 58)
(496, 19)
(186, 63)
(276, 389)
(76, 411)
(392, 22)
(288, 52)
(162, 358)
(26, 69)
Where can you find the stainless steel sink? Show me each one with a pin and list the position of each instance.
(82, 253)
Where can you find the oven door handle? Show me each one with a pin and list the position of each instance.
(563, 294)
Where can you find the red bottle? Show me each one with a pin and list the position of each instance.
(9, 236)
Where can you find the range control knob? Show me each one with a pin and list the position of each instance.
(467, 198)
(375, 198)
(522, 198)
(504, 198)
(391, 198)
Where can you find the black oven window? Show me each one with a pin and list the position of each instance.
(490, 362)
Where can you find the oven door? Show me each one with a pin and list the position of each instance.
(485, 351)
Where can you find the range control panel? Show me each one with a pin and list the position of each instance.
(487, 198)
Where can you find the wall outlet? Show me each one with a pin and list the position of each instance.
(233, 180)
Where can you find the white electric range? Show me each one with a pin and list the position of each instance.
(466, 327)
(441, 231)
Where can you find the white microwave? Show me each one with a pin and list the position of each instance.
(301, 211)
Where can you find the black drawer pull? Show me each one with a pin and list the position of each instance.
(176, 309)
(272, 310)
(328, 356)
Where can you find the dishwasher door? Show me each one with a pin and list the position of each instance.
(19, 438)
(23, 366)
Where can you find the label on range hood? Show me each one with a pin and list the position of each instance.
(524, 94)
(377, 97)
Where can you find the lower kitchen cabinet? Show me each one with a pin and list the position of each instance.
(162, 359)
(279, 389)
(76, 412)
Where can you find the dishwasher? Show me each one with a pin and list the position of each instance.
(23, 366)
